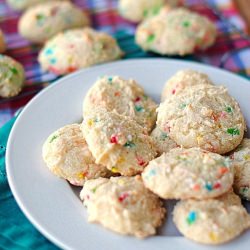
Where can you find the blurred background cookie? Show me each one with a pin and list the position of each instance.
(12, 76)
(2, 42)
(43, 21)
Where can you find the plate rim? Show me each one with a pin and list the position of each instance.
(54, 84)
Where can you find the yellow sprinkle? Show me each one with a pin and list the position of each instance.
(81, 175)
(247, 157)
(213, 236)
(90, 122)
(114, 170)
(121, 160)
(70, 60)
(199, 138)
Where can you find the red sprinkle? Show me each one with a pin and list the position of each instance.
(173, 91)
(137, 99)
(117, 93)
(140, 161)
(122, 197)
(114, 139)
(71, 69)
(217, 185)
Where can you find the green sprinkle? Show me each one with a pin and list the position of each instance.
(151, 38)
(186, 24)
(14, 71)
(192, 217)
(183, 105)
(145, 13)
(129, 144)
(94, 189)
(139, 108)
(163, 136)
(145, 97)
(229, 109)
(156, 10)
(233, 131)
(243, 191)
(53, 138)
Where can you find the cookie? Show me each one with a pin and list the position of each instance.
(2, 42)
(41, 22)
(76, 49)
(123, 205)
(205, 117)
(162, 141)
(126, 97)
(230, 198)
(241, 160)
(175, 32)
(138, 10)
(11, 76)
(182, 80)
(188, 173)
(118, 142)
(66, 154)
(24, 4)
(210, 221)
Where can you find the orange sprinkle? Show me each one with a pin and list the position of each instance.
(196, 187)
(223, 170)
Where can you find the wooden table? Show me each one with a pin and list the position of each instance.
(244, 8)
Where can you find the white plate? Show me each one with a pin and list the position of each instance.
(49, 202)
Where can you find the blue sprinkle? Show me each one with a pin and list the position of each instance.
(152, 172)
(52, 60)
(209, 187)
(192, 216)
(48, 51)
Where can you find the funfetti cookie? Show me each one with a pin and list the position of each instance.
(2, 42)
(206, 117)
(162, 141)
(123, 205)
(41, 22)
(76, 49)
(210, 221)
(188, 173)
(138, 10)
(175, 32)
(241, 160)
(11, 76)
(66, 154)
(118, 142)
(126, 97)
(184, 79)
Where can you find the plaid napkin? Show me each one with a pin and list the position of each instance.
(229, 52)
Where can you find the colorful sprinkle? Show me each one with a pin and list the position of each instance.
(192, 216)
(129, 144)
(90, 123)
(152, 172)
(151, 38)
(139, 108)
(117, 93)
(217, 185)
(213, 236)
(183, 105)
(14, 71)
(122, 197)
(53, 60)
(140, 161)
(48, 51)
(223, 170)
(173, 91)
(137, 99)
(196, 187)
(114, 170)
(229, 109)
(53, 138)
(233, 131)
(82, 175)
(209, 187)
(186, 24)
(163, 136)
(110, 79)
(114, 139)
(243, 191)
(94, 189)
(246, 157)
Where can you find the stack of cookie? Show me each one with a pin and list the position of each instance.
(128, 155)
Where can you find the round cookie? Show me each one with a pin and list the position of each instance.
(162, 141)
(182, 80)
(241, 160)
(11, 76)
(66, 154)
(206, 117)
(230, 198)
(138, 10)
(76, 49)
(117, 142)
(188, 173)
(24, 4)
(125, 97)
(41, 22)
(123, 205)
(2, 42)
(210, 221)
(175, 32)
